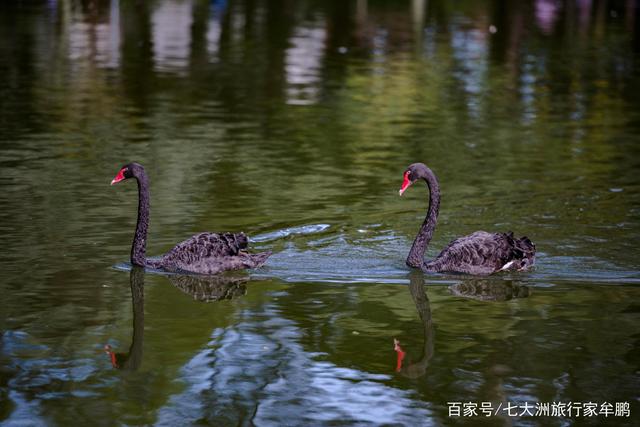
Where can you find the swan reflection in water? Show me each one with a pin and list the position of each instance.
(210, 288)
(490, 290)
(130, 361)
(409, 368)
(478, 289)
(201, 288)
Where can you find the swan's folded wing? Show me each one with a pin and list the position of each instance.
(477, 253)
(205, 246)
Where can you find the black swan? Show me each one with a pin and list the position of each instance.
(204, 253)
(479, 253)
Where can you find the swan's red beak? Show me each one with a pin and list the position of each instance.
(405, 184)
(119, 177)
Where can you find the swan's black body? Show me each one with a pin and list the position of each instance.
(204, 253)
(479, 253)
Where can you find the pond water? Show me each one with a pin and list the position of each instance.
(293, 122)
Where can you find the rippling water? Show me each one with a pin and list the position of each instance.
(293, 122)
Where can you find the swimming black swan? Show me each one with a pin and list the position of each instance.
(204, 253)
(479, 253)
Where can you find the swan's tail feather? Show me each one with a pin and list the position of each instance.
(235, 241)
(525, 245)
(256, 260)
(528, 250)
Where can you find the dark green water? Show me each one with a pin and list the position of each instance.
(293, 121)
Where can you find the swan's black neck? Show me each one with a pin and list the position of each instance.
(139, 246)
(416, 254)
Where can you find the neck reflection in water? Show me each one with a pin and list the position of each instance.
(131, 360)
(410, 368)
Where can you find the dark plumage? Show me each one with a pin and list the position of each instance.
(479, 253)
(204, 253)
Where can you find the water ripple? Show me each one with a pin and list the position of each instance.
(291, 231)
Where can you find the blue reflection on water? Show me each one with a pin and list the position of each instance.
(259, 367)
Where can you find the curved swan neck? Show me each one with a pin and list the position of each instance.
(139, 246)
(416, 254)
